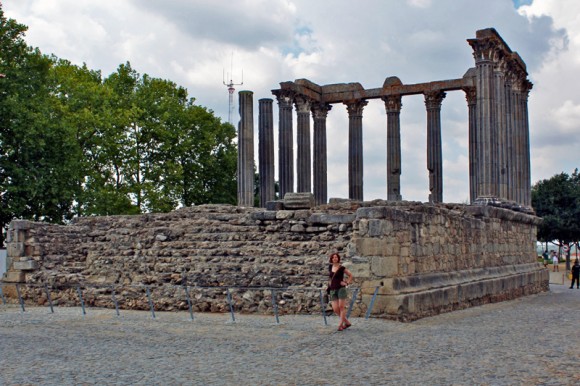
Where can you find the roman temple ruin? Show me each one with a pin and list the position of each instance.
(410, 259)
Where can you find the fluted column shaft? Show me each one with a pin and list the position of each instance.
(500, 122)
(393, 107)
(319, 114)
(522, 151)
(485, 131)
(285, 141)
(304, 160)
(510, 140)
(266, 151)
(471, 97)
(433, 102)
(527, 200)
(246, 150)
(355, 149)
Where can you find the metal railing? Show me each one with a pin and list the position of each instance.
(148, 291)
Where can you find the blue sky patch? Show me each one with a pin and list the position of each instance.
(517, 3)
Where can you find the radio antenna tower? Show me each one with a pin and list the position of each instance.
(230, 85)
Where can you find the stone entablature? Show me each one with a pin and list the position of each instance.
(424, 258)
(496, 91)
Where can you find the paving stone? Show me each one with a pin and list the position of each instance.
(531, 340)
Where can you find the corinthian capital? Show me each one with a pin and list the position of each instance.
(470, 95)
(355, 107)
(285, 98)
(320, 110)
(302, 104)
(433, 99)
(483, 49)
(393, 103)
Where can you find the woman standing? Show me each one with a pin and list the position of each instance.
(337, 285)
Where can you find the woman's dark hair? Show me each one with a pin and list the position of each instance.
(332, 255)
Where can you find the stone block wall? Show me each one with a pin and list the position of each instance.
(423, 258)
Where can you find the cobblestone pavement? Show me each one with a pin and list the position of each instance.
(533, 341)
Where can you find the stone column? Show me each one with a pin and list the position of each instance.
(526, 132)
(499, 121)
(510, 140)
(355, 148)
(303, 161)
(485, 131)
(522, 142)
(471, 97)
(319, 114)
(246, 150)
(266, 151)
(285, 141)
(393, 107)
(434, 153)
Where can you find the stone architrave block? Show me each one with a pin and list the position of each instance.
(299, 200)
(385, 266)
(29, 265)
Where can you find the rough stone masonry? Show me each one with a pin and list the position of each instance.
(419, 259)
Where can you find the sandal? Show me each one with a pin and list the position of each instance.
(346, 325)
(340, 328)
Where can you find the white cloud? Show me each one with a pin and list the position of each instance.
(332, 41)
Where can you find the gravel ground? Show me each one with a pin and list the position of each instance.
(532, 340)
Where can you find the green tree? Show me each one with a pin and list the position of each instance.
(175, 153)
(75, 144)
(557, 201)
(38, 160)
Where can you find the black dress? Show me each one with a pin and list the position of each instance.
(336, 278)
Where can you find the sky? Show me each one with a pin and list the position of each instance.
(199, 44)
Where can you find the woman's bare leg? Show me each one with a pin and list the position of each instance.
(335, 307)
(342, 306)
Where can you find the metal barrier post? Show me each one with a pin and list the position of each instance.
(230, 303)
(48, 297)
(81, 299)
(352, 302)
(115, 300)
(2, 295)
(275, 306)
(188, 301)
(20, 298)
(150, 302)
(323, 308)
(371, 304)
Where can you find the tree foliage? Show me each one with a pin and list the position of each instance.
(557, 201)
(73, 143)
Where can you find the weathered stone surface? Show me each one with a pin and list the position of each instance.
(14, 277)
(15, 249)
(298, 200)
(323, 218)
(425, 259)
(274, 205)
(28, 265)
(385, 266)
